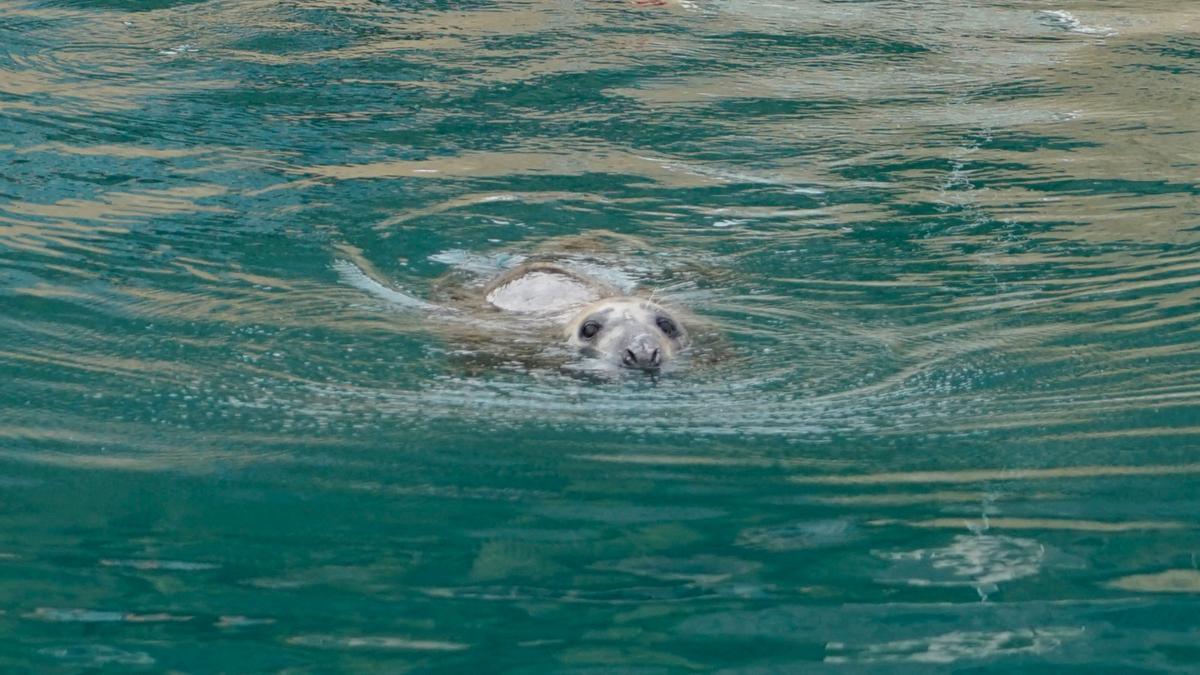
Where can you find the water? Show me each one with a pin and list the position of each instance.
(949, 251)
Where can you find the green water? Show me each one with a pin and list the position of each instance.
(950, 250)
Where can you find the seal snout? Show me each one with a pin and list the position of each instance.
(628, 333)
(643, 352)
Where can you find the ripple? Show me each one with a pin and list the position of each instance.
(166, 565)
(979, 561)
(238, 621)
(95, 655)
(956, 646)
(626, 596)
(75, 615)
(1043, 524)
(1167, 581)
(800, 536)
(1068, 22)
(981, 475)
(704, 570)
(372, 642)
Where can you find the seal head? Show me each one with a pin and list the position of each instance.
(628, 332)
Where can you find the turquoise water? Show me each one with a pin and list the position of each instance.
(949, 253)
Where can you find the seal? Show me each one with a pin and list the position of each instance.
(551, 306)
(630, 332)
(596, 319)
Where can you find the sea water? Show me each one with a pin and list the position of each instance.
(950, 251)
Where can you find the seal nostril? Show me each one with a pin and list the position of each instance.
(629, 358)
(655, 358)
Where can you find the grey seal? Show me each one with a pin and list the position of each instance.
(543, 308)
(595, 319)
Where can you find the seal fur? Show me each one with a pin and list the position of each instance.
(544, 310)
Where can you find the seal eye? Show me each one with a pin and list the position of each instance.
(667, 326)
(589, 329)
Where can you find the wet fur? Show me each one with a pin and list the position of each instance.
(481, 337)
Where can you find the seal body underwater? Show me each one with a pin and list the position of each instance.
(542, 309)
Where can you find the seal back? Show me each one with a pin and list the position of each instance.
(542, 288)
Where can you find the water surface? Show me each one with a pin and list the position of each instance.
(951, 251)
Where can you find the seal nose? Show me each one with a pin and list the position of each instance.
(643, 352)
